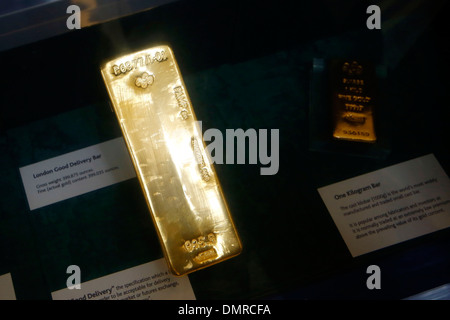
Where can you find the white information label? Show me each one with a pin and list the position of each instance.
(7, 287)
(76, 173)
(391, 205)
(149, 281)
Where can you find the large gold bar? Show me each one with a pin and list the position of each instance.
(353, 93)
(180, 184)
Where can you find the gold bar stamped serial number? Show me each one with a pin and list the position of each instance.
(141, 61)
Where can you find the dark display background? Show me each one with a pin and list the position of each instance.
(246, 64)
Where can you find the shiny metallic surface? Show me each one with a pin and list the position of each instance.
(179, 182)
(353, 99)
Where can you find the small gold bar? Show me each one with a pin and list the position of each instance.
(165, 143)
(353, 98)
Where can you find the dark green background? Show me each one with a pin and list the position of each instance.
(246, 64)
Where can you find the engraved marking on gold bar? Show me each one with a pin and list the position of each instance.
(180, 185)
(200, 242)
(199, 159)
(182, 102)
(352, 85)
(206, 256)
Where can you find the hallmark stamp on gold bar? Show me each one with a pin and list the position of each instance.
(179, 182)
(353, 90)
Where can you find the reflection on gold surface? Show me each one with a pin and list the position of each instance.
(179, 182)
(353, 90)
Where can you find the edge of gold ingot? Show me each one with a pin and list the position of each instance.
(353, 90)
(177, 177)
